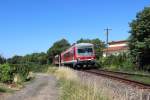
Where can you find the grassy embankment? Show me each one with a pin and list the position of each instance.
(140, 79)
(124, 63)
(72, 89)
(144, 76)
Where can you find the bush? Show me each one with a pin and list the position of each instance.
(5, 73)
(22, 70)
(128, 64)
(98, 63)
(8, 72)
(119, 62)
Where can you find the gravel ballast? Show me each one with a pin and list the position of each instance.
(114, 89)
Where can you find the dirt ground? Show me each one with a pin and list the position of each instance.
(43, 87)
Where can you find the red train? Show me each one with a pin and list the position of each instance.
(78, 55)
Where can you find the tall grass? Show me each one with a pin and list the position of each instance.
(75, 85)
(72, 89)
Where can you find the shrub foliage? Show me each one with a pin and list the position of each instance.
(7, 72)
(121, 62)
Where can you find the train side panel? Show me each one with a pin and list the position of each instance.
(68, 57)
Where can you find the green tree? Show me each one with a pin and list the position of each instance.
(98, 45)
(42, 58)
(57, 48)
(139, 40)
(15, 59)
(2, 60)
(38, 58)
(84, 41)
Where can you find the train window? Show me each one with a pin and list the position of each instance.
(85, 51)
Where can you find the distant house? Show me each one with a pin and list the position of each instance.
(115, 48)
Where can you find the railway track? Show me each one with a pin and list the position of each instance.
(125, 73)
(122, 77)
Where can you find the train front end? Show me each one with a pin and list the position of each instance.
(85, 55)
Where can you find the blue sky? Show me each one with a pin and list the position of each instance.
(28, 26)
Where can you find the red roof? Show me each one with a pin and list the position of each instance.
(118, 48)
(117, 42)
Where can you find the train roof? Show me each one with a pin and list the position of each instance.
(83, 44)
(78, 45)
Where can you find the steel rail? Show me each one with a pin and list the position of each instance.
(125, 73)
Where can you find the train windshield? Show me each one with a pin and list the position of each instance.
(85, 51)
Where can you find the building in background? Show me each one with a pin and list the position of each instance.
(115, 48)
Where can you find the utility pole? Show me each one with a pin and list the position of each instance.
(107, 33)
(59, 60)
(107, 37)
